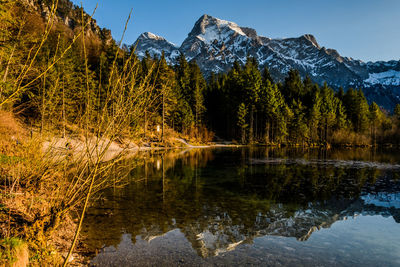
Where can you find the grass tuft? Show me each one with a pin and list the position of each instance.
(13, 252)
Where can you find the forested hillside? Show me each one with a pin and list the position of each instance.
(248, 103)
(60, 72)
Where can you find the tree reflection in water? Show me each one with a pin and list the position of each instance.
(221, 199)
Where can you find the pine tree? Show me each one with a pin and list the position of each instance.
(293, 87)
(308, 90)
(375, 117)
(340, 94)
(356, 107)
(165, 84)
(315, 114)
(266, 76)
(328, 110)
(299, 130)
(341, 118)
(252, 82)
(183, 76)
(272, 104)
(197, 86)
(241, 121)
(185, 117)
(362, 111)
(283, 122)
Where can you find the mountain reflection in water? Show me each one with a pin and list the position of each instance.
(193, 207)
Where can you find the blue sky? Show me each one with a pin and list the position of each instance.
(362, 29)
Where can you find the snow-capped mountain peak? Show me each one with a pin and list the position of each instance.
(312, 39)
(209, 29)
(155, 45)
(149, 35)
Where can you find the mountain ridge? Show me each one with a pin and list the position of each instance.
(215, 44)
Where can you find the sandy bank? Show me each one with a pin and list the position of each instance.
(58, 146)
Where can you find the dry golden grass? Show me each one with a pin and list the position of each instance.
(11, 133)
(26, 190)
(350, 138)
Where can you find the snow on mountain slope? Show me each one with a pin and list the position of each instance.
(155, 45)
(390, 77)
(216, 44)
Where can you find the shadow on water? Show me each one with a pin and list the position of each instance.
(250, 206)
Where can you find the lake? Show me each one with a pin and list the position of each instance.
(252, 206)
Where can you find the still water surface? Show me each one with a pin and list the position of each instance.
(254, 207)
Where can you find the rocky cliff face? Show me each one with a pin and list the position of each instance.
(69, 15)
(215, 44)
